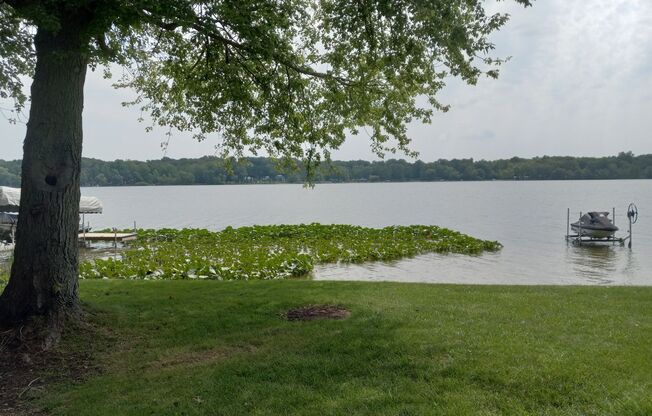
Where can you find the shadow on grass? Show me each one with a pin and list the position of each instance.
(224, 349)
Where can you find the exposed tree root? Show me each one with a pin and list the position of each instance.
(41, 351)
(39, 332)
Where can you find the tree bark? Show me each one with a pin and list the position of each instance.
(43, 280)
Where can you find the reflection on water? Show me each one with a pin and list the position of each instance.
(594, 262)
(632, 268)
(587, 265)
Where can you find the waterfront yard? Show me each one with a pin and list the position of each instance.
(226, 348)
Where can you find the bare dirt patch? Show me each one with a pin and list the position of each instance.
(310, 312)
(186, 359)
(26, 369)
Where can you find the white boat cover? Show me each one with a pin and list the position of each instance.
(90, 205)
(10, 201)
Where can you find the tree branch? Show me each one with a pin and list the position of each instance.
(20, 4)
(106, 49)
(308, 71)
(208, 31)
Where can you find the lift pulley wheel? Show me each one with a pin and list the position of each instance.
(632, 213)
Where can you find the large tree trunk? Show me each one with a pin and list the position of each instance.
(43, 279)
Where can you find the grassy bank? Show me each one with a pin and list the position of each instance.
(223, 348)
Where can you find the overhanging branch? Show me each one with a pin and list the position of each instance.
(208, 31)
(104, 48)
(21, 4)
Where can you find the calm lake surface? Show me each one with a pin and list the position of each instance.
(528, 218)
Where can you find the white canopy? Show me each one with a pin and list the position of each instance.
(10, 201)
(90, 205)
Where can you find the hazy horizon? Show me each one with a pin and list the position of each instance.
(389, 157)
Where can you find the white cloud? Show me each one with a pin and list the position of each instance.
(579, 83)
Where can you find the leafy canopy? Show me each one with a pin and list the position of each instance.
(289, 77)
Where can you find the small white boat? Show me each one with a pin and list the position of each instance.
(594, 225)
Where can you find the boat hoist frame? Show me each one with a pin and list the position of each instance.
(578, 239)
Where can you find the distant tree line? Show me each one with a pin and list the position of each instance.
(212, 170)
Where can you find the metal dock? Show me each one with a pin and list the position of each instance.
(112, 237)
(579, 240)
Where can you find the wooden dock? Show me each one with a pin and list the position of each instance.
(110, 237)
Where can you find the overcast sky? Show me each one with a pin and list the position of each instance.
(579, 83)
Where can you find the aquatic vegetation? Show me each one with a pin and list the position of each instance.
(273, 251)
(5, 268)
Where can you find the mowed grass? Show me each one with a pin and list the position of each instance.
(223, 348)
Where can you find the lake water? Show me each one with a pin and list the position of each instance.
(528, 218)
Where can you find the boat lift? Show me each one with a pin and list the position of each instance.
(10, 204)
(579, 238)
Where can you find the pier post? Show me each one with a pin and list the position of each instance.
(629, 245)
(613, 221)
(115, 243)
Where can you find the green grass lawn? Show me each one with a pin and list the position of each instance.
(223, 348)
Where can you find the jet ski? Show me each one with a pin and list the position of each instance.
(594, 225)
